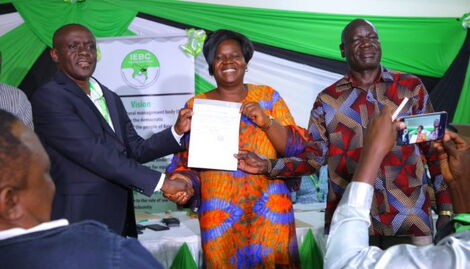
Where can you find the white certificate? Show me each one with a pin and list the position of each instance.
(215, 126)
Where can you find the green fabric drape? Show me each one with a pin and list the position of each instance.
(201, 85)
(23, 45)
(20, 49)
(423, 46)
(183, 259)
(103, 19)
(310, 254)
(462, 112)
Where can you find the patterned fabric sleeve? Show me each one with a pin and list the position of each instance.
(179, 165)
(282, 114)
(281, 111)
(423, 105)
(304, 154)
(24, 110)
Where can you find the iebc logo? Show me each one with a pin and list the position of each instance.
(140, 68)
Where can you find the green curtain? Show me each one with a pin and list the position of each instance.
(424, 46)
(462, 113)
(201, 85)
(20, 48)
(103, 19)
(23, 45)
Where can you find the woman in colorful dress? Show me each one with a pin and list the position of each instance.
(246, 220)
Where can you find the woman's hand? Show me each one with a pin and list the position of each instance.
(255, 113)
(183, 123)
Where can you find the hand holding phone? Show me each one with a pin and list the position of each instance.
(422, 128)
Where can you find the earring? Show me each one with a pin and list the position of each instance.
(246, 69)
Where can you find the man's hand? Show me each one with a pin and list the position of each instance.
(183, 123)
(454, 160)
(454, 157)
(379, 139)
(441, 222)
(178, 188)
(381, 133)
(255, 113)
(251, 163)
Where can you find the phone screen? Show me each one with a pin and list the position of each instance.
(422, 128)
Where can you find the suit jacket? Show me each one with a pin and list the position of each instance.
(95, 168)
(81, 245)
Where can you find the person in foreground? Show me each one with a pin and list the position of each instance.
(246, 220)
(348, 242)
(28, 239)
(95, 152)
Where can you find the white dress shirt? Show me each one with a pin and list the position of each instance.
(13, 232)
(348, 243)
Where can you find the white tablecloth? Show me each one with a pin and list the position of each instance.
(164, 245)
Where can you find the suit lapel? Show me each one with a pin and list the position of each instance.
(113, 111)
(70, 86)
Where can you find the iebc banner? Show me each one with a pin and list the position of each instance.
(154, 79)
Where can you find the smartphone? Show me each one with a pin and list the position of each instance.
(422, 128)
(156, 227)
(171, 222)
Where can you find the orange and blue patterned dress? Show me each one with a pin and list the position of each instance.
(246, 220)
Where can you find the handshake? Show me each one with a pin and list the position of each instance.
(178, 188)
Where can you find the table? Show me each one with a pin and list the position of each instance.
(164, 245)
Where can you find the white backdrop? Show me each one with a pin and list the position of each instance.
(10, 21)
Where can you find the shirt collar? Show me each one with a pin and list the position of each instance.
(13, 232)
(384, 76)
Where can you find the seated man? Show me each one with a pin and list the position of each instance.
(348, 246)
(28, 239)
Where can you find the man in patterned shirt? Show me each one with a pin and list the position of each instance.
(401, 209)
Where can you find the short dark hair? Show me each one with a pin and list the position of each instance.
(215, 38)
(14, 155)
(60, 31)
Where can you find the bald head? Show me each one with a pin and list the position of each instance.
(64, 30)
(352, 25)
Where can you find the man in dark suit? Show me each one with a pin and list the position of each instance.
(95, 152)
(26, 192)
